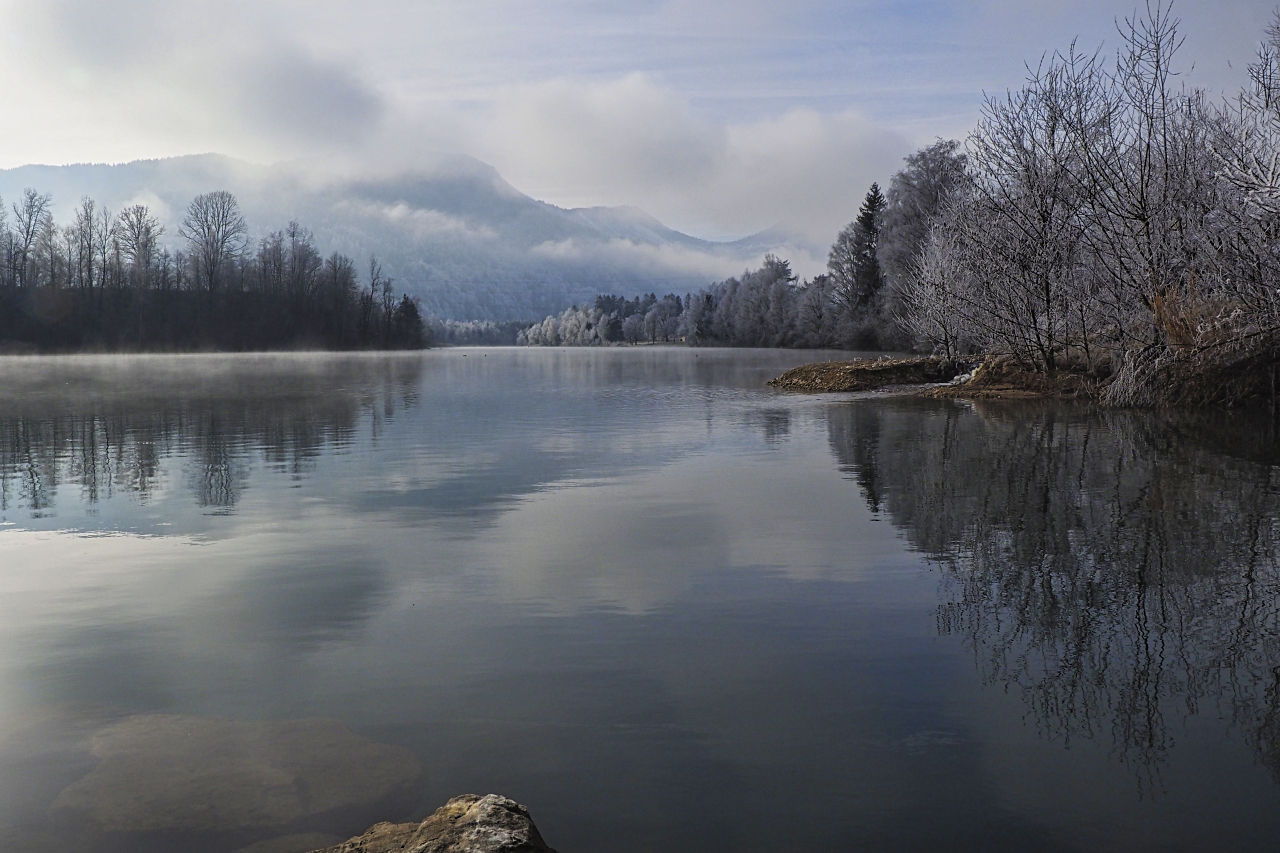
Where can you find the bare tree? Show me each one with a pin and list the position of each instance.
(272, 264)
(1145, 165)
(8, 274)
(1023, 231)
(369, 300)
(50, 265)
(1244, 143)
(382, 285)
(215, 232)
(140, 233)
(916, 200)
(30, 216)
(304, 262)
(107, 240)
(86, 238)
(917, 197)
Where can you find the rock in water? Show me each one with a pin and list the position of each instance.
(466, 824)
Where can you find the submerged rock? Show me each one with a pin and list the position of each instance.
(866, 374)
(466, 824)
(296, 843)
(164, 773)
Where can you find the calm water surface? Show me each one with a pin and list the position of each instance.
(257, 604)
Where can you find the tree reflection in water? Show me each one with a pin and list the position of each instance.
(111, 432)
(1117, 569)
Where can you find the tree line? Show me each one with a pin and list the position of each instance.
(474, 333)
(765, 307)
(108, 281)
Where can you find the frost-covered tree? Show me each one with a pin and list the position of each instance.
(917, 198)
(765, 307)
(936, 304)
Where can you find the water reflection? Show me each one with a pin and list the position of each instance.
(1118, 570)
(106, 426)
(509, 424)
(774, 424)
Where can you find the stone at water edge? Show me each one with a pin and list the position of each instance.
(466, 824)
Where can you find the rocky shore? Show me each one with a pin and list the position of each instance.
(466, 824)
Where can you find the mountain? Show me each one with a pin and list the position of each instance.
(452, 232)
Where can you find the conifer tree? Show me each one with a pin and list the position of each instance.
(869, 277)
(852, 262)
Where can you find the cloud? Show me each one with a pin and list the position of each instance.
(202, 76)
(265, 81)
(632, 139)
(420, 222)
(300, 99)
(580, 135)
(699, 265)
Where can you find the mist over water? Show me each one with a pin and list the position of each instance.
(278, 598)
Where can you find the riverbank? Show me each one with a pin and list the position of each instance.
(990, 379)
(866, 374)
(996, 379)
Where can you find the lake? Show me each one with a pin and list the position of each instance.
(258, 603)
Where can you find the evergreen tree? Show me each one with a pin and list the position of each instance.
(869, 278)
(852, 263)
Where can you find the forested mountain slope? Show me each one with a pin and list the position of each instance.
(451, 232)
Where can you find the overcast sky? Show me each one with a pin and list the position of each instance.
(720, 117)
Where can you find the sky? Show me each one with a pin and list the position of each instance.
(720, 117)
